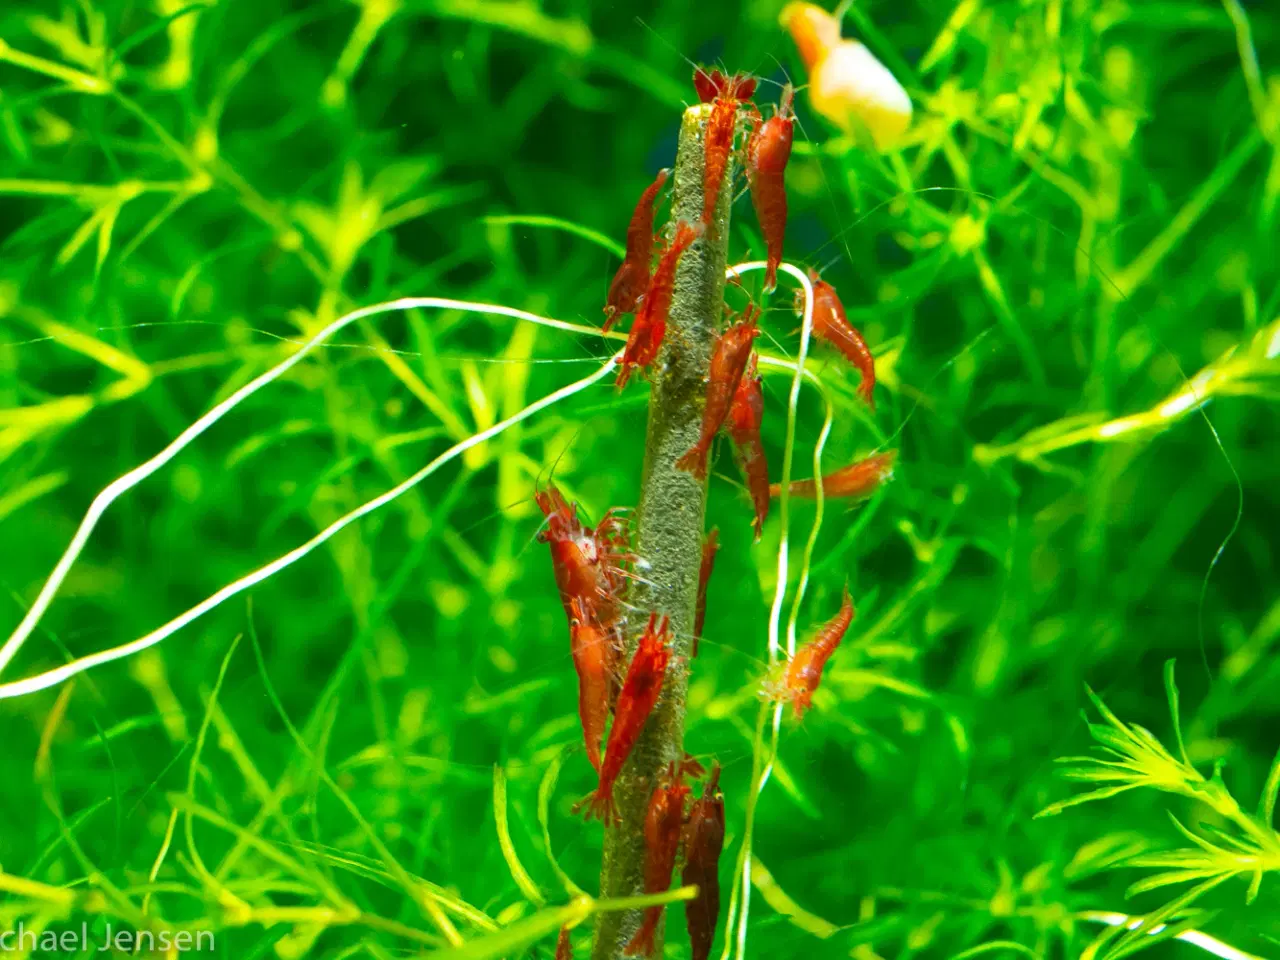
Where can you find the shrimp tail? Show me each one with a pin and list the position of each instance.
(694, 461)
(800, 702)
(564, 946)
(599, 805)
(769, 197)
(752, 464)
(590, 737)
(866, 390)
(641, 945)
(710, 546)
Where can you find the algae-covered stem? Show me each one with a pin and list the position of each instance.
(669, 521)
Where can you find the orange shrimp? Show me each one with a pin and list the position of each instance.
(710, 546)
(650, 325)
(564, 948)
(728, 361)
(831, 324)
(590, 644)
(745, 416)
(586, 562)
(640, 692)
(804, 670)
(703, 844)
(768, 151)
(859, 479)
(662, 827)
(632, 278)
(724, 94)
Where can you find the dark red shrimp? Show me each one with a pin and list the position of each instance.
(728, 361)
(725, 94)
(690, 766)
(831, 324)
(710, 546)
(707, 84)
(590, 644)
(662, 828)
(745, 416)
(640, 692)
(768, 151)
(804, 670)
(650, 325)
(587, 562)
(564, 948)
(632, 278)
(859, 479)
(703, 844)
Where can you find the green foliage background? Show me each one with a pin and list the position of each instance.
(1084, 216)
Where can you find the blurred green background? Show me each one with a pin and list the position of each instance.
(1083, 218)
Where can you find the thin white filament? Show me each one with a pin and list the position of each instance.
(819, 497)
(793, 400)
(61, 674)
(743, 893)
(123, 484)
(772, 756)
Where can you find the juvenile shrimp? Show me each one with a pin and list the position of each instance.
(703, 844)
(831, 324)
(640, 692)
(724, 94)
(728, 361)
(768, 150)
(632, 278)
(745, 416)
(710, 546)
(590, 645)
(662, 828)
(650, 325)
(859, 479)
(804, 670)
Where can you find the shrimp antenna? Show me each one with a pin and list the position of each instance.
(533, 537)
(668, 44)
(537, 486)
(785, 72)
(822, 170)
(830, 263)
(551, 469)
(678, 52)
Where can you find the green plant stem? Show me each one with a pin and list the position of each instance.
(669, 524)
